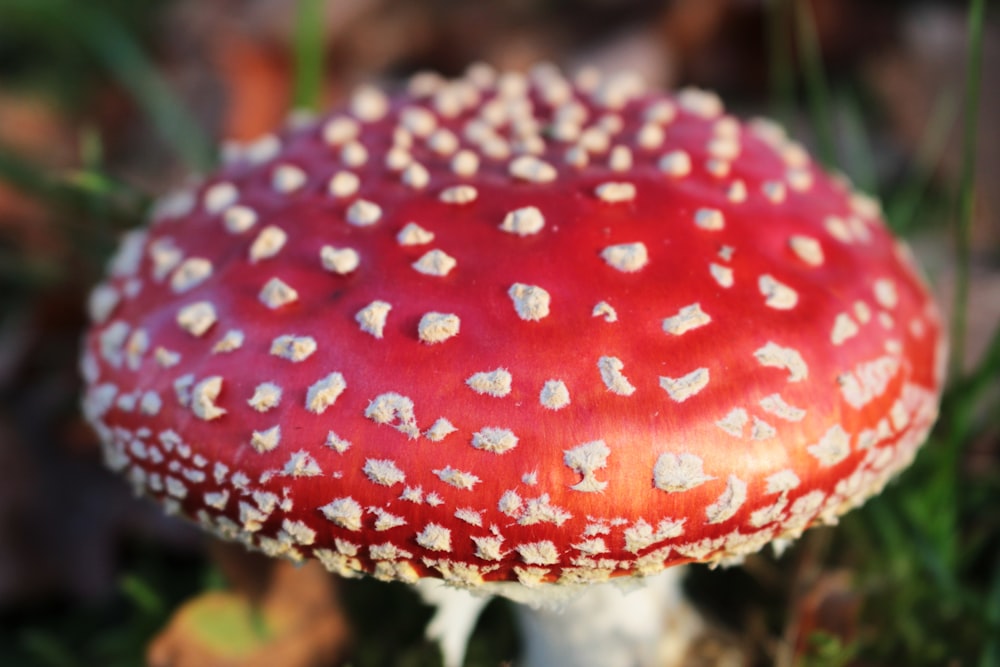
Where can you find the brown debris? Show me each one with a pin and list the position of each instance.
(297, 622)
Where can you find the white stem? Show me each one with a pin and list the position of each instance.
(643, 623)
(612, 626)
(455, 615)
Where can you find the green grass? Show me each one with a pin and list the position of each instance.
(925, 554)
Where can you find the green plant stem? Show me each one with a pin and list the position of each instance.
(907, 205)
(309, 51)
(966, 196)
(817, 89)
(781, 79)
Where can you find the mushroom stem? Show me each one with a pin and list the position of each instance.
(606, 625)
(456, 613)
(611, 625)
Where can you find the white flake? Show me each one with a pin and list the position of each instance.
(465, 163)
(324, 392)
(354, 154)
(843, 328)
(343, 184)
(494, 439)
(150, 403)
(723, 275)
(734, 422)
(761, 430)
(699, 102)
(165, 257)
(438, 327)
(457, 478)
(383, 472)
(729, 503)
(808, 249)
(363, 213)
(782, 481)
(533, 169)
(523, 221)
(833, 447)
(394, 410)
(439, 430)
(345, 512)
(586, 459)
(268, 243)
(710, 219)
(340, 130)
(277, 293)
(650, 136)
(469, 516)
(413, 234)
(266, 440)
(620, 159)
(682, 388)
(489, 547)
(775, 356)
(679, 472)
(102, 302)
(434, 537)
(203, 397)
(196, 318)
(778, 295)
(626, 257)
(641, 535)
(605, 310)
(219, 196)
(737, 192)
(435, 263)
(615, 192)
(554, 395)
(266, 396)
(293, 348)
(493, 383)
(302, 464)
(611, 375)
(369, 103)
(336, 443)
(510, 503)
(231, 341)
(459, 194)
(372, 318)
(687, 318)
(885, 293)
(538, 553)
(191, 273)
(775, 191)
(775, 405)
(288, 178)
(530, 301)
(339, 260)
(386, 521)
(676, 164)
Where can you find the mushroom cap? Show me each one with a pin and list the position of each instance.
(514, 328)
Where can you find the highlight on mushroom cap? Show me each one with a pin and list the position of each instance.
(514, 327)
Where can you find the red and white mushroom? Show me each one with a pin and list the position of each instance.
(517, 333)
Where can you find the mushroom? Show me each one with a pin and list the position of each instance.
(519, 334)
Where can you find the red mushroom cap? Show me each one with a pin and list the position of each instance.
(514, 328)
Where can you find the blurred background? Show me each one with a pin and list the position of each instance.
(105, 104)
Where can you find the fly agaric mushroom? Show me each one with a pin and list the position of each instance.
(518, 333)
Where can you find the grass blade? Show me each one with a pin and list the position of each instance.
(309, 50)
(817, 89)
(963, 227)
(780, 74)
